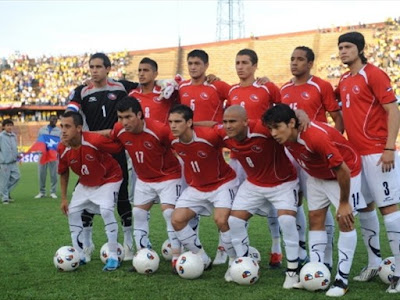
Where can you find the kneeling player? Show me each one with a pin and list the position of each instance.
(100, 177)
(334, 167)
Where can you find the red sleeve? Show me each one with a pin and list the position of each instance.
(116, 129)
(328, 97)
(62, 161)
(222, 88)
(274, 92)
(103, 143)
(379, 82)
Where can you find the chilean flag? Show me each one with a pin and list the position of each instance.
(47, 144)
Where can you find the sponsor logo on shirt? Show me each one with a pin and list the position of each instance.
(305, 96)
(235, 98)
(329, 156)
(234, 150)
(254, 98)
(92, 99)
(388, 89)
(204, 96)
(181, 153)
(185, 95)
(256, 148)
(286, 96)
(71, 95)
(304, 157)
(148, 145)
(73, 161)
(128, 143)
(111, 96)
(201, 154)
(89, 157)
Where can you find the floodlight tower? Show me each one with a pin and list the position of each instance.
(230, 20)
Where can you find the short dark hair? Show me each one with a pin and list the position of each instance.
(200, 54)
(129, 102)
(106, 60)
(279, 113)
(76, 117)
(182, 109)
(6, 122)
(151, 62)
(250, 53)
(309, 53)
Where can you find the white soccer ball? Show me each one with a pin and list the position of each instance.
(146, 261)
(254, 254)
(386, 269)
(66, 259)
(315, 276)
(105, 253)
(189, 265)
(245, 270)
(166, 250)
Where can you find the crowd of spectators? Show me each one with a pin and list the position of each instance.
(48, 80)
(383, 51)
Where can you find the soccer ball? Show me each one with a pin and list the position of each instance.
(66, 259)
(105, 252)
(146, 261)
(166, 250)
(254, 254)
(386, 269)
(315, 276)
(189, 265)
(244, 270)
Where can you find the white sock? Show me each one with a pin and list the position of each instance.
(140, 227)
(274, 230)
(392, 223)
(86, 236)
(128, 235)
(188, 237)
(291, 240)
(346, 247)
(76, 227)
(111, 228)
(301, 228)
(239, 236)
(227, 243)
(220, 243)
(370, 233)
(173, 239)
(317, 240)
(330, 231)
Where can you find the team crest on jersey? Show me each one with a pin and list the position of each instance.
(305, 96)
(111, 96)
(204, 96)
(148, 145)
(89, 157)
(356, 89)
(256, 148)
(254, 98)
(92, 99)
(201, 154)
(71, 95)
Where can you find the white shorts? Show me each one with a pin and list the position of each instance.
(202, 203)
(259, 200)
(165, 192)
(238, 168)
(376, 186)
(321, 193)
(93, 198)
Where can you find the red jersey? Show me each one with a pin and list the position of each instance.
(91, 161)
(256, 99)
(204, 165)
(322, 148)
(150, 151)
(152, 107)
(315, 97)
(365, 119)
(206, 100)
(262, 158)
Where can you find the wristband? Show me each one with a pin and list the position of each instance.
(389, 149)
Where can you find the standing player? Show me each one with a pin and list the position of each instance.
(97, 102)
(158, 170)
(316, 97)
(51, 130)
(371, 119)
(204, 98)
(334, 169)
(271, 183)
(208, 187)
(100, 177)
(256, 98)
